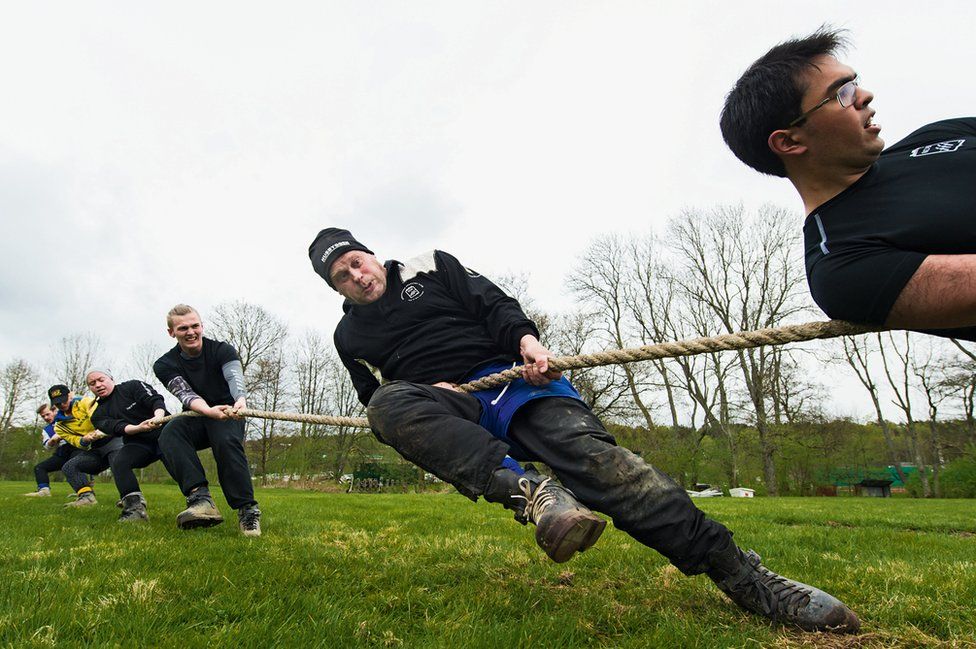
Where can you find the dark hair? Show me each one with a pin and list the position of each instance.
(768, 96)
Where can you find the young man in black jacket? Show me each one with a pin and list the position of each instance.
(128, 410)
(207, 377)
(429, 324)
(889, 233)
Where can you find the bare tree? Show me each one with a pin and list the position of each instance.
(73, 357)
(899, 379)
(599, 282)
(794, 396)
(269, 392)
(18, 384)
(322, 386)
(929, 370)
(342, 401)
(961, 380)
(650, 298)
(857, 355)
(253, 331)
(743, 270)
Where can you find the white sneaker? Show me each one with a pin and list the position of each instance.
(43, 492)
(249, 520)
(86, 499)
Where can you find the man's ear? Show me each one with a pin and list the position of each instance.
(783, 143)
(172, 334)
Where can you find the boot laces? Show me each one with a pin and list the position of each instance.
(537, 501)
(249, 518)
(775, 593)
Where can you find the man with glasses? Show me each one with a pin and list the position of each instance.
(889, 234)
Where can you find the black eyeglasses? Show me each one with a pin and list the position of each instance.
(844, 96)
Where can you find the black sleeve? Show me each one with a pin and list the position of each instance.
(109, 425)
(164, 370)
(861, 283)
(362, 379)
(225, 353)
(502, 315)
(146, 396)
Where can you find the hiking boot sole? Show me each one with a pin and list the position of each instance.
(575, 533)
(193, 522)
(133, 519)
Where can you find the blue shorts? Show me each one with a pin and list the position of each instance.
(498, 405)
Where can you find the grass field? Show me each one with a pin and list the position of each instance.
(337, 570)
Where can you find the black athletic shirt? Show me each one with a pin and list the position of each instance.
(131, 402)
(437, 321)
(919, 198)
(204, 373)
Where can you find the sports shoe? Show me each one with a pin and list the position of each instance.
(86, 499)
(563, 525)
(249, 519)
(200, 512)
(133, 508)
(43, 492)
(748, 583)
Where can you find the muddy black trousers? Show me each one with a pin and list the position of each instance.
(182, 437)
(120, 456)
(43, 468)
(438, 430)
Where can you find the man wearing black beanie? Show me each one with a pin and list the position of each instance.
(429, 324)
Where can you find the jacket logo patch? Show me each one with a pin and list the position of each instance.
(412, 291)
(939, 147)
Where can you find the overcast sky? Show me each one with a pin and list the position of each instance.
(188, 152)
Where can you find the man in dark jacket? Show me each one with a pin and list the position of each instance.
(128, 410)
(428, 324)
(207, 377)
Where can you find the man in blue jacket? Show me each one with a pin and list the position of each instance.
(50, 440)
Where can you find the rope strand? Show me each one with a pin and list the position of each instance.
(817, 330)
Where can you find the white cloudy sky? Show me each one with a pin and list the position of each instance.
(188, 152)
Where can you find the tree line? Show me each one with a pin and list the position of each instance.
(716, 417)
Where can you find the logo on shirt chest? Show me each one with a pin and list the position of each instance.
(939, 147)
(412, 291)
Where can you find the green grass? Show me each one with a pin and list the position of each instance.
(337, 570)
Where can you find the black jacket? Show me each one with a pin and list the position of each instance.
(131, 402)
(437, 321)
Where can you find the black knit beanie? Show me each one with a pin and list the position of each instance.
(329, 245)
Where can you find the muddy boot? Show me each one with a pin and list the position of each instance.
(563, 525)
(742, 577)
(43, 492)
(85, 499)
(133, 508)
(200, 512)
